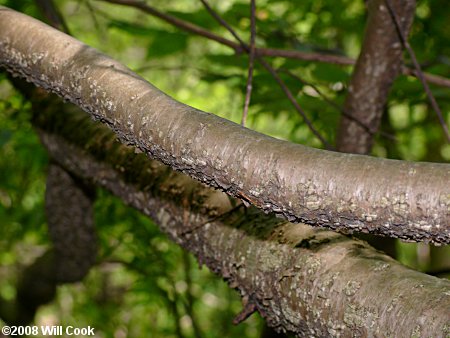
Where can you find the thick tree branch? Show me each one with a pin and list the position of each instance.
(70, 221)
(310, 282)
(340, 191)
(270, 52)
(68, 204)
(378, 65)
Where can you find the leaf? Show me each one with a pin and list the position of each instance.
(330, 73)
(229, 60)
(131, 28)
(214, 77)
(166, 43)
(201, 18)
(162, 42)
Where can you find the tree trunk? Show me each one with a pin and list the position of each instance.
(378, 64)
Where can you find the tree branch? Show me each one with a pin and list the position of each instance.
(418, 70)
(249, 86)
(339, 108)
(270, 52)
(288, 272)
(340, 191)
(53, 15)
(272, 72)
(379, 63)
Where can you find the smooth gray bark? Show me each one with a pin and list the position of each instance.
(339, 191)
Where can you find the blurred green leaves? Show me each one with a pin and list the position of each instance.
(162, 42)
(141, 284)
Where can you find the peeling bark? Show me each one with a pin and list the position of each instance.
(340, 191)
(378, 64)
(314, 283)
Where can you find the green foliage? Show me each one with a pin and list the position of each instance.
(143, 284)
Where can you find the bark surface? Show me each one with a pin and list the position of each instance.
(379, 63)
(312, 282)
(70, 221)
(340, 191)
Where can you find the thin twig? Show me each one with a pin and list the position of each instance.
(248, 309)
(431, 78)
(419, 72)
(216, 218)
(189, 305)
(271, 52)
(171, 303)
(272, 72)
(92, 11)
(249, 86)
(369, 130)
(185, 25)
(294, 102)
(53, 15)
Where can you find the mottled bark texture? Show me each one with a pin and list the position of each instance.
(340, 191)
(378, 64)
(314, 283)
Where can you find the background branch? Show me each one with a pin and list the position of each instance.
(270, 52)
(366, 193)
(264, 265)
(418, 70)
(248, 93)
(272, 72)
(338, 107)
(378, 65)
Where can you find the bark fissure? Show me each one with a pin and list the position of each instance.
(340, 191)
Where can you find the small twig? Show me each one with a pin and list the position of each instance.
(213, 219)
(92, 14)
(272, 72)
(294, 102)
(270, 52)
(189, 305)
(171, 303)
(187, 26)
(419, 72)
(249, 86)
(339, 108)
(247, 311)
(431, 78)
(53, 15)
